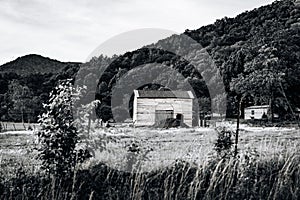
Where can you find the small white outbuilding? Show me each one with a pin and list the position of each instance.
(256, 112)
(151, 106)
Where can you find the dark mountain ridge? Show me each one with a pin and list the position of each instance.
(33, 63)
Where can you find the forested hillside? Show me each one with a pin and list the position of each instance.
(257, 54)
(25, 84)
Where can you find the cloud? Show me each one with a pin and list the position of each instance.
(72, 29)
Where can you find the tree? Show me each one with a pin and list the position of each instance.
(218, 102)
(259, 81)
(104, 112)
(21, 98)
(58, 135)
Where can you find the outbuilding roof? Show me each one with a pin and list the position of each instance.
(163, 94)
(258, 107)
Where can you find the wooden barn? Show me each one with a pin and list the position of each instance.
(256, 112)
(152, 106)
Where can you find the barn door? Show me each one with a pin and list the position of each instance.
(161, 115)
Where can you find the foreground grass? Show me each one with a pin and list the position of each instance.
(246, 177)
(180, 165)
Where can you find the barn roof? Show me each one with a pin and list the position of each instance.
(164, 94)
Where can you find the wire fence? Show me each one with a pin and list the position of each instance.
(13, 126)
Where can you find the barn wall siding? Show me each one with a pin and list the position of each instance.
(144, 114)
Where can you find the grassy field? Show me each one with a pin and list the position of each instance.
(157, 148)
(171, 163)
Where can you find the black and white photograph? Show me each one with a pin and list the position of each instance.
(149, 100)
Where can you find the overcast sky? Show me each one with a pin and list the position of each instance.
(69, 30)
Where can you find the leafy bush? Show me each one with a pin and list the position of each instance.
(223, 145)
(58, 135)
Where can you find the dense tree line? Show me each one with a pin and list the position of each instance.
(138, 65)
(258, 50)
(22, 94)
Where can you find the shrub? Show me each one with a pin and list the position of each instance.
(58, 135)
(223, 145)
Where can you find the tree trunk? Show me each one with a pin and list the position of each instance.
(89, 125)
(22, 113)
(237, 127)
(271, 115)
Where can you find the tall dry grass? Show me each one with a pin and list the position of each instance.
(267, 167)
(245, 177)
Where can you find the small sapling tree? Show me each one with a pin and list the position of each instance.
(58, 135)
